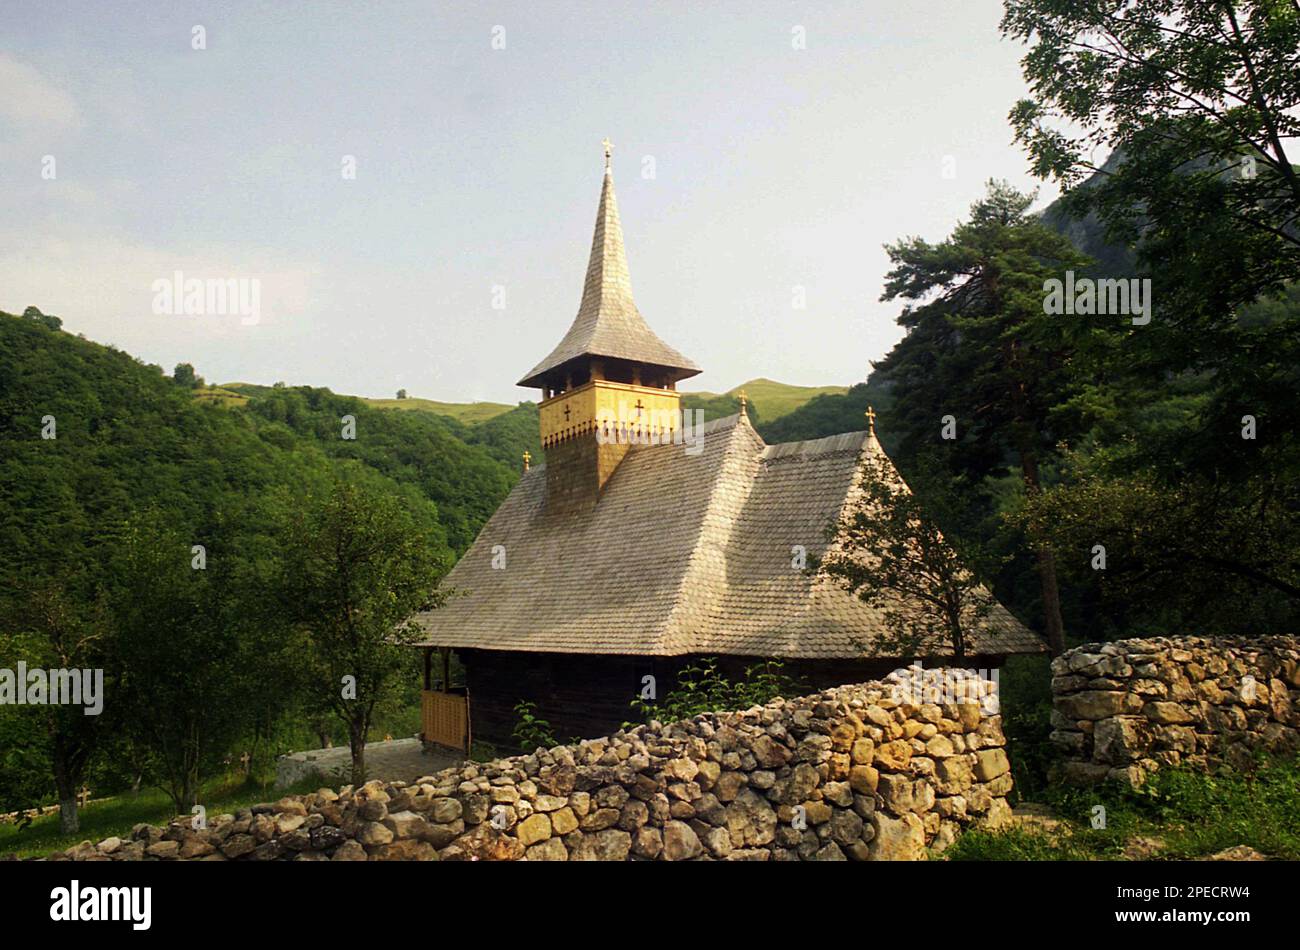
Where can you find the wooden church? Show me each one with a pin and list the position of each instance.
(637, 548)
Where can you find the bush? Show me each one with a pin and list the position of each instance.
(1025, 693)
(702, 688)
(532, 731)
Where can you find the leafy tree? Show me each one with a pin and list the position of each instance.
(401, 394)
(358, 564)
(1187, 552)
(184, 376)
(889, 551)
(1184, 85)
(980, 349)
(1197, 103)
(46, 320)
(96, 531)
(426, 451)
(203, 658)
(60, 624)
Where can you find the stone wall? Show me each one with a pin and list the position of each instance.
(877, 771)
(1124, 709)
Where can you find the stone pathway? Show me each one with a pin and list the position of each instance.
(397, 760)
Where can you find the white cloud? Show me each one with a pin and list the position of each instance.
(103, 288)
(30, 104)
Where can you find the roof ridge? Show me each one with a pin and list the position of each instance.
(840, 442)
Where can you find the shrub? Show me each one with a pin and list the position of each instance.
(702, 688)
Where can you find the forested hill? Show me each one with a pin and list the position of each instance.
(465, 470)
(122, 438)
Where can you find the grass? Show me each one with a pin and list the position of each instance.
(220, 396)
(772, 400)
(1177, 815)
(470, 413)
(117, 815)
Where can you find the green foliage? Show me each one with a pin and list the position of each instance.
(201, 663)
(1178, 814)
(887, 549)
(531, 731)
(981, 353)
(185, 377)
(118, 814)
(1190, 101)
(425, 451)
(767, 400)
(480, 751)
(1012, 844)
(506, 436)
(48, 321)
(831, 414)
(95, 557)
(701, 687)
(1196, 103)
(358, 563)
(717, 407)
(1025, 696)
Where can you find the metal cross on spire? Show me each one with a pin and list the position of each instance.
(871, 419)
(609, 149)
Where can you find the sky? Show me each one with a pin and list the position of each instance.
(764, 155)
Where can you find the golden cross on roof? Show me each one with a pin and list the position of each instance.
(871, 419)
(609, 149)
(744, 400)
(527, 458)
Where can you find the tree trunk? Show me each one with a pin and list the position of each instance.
(65, 783)
(69, 820)
(1053, 625)
(357, 742)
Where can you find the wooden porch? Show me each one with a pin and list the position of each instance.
(444, 712)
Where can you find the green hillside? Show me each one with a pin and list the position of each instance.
(470, 413)
(129, 437)
(771, 400)
(467, 412)
(768, 401)
(220, 396)
(114, 475)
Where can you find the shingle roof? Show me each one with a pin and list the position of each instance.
(682, 554)
(608, 323)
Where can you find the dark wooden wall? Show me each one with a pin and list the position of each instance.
(584, 696)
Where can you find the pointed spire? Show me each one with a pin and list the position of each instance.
(608, 285)
(608, 322)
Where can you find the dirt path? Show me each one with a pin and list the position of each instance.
(396, 760)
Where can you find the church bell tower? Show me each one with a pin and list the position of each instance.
(611, 383)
